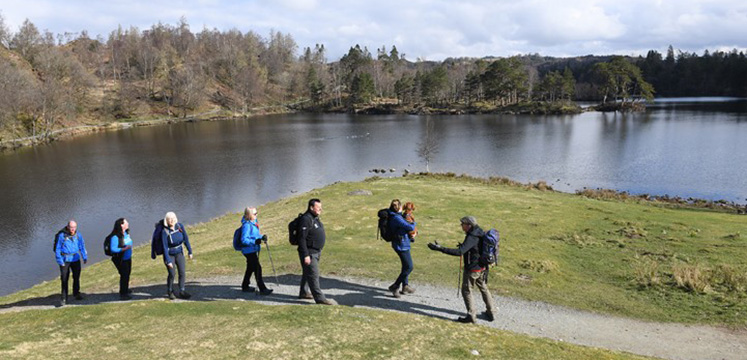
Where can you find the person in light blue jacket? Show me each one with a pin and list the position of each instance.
(251, 244)
(173, 236)
(68, 251)
(121, 248)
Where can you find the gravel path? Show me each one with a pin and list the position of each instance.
(669, 341)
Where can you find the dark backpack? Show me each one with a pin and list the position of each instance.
(237, 239)
(489, 247)
(383, 227)
(156, 245)
(57, 236)
(107, 245)
(293, 230)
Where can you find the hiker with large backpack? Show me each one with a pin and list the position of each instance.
(310, 237)
(397, 232)
(249, 242)
(69, 249)
(474, 249)
(118, 245)
(172, 237)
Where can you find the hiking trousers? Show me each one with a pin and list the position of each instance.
(253, 267)
(310, 278)
(65, 276)
(179, 264)
(478, 278)
(124, 267)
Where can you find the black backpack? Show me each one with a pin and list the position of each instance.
(293, 230)
(489, 247)
(107, 245)
(383, 228)
(156, 245)
(57, 236)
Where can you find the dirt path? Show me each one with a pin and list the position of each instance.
(669, 341)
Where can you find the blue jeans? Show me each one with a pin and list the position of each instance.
(406, 260)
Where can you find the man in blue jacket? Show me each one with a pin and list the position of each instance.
(69, 249)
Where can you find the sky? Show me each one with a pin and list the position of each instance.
(423, 29)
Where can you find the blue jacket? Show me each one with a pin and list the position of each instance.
(173, 245)
(116, 249)
(396, 224)
(249, 235)
(70, 248)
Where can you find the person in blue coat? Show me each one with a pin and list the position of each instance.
(173, 236)
(121, 248)
(400, 228)
(69, 249)
(251, 244)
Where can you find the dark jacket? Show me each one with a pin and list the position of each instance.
(470, 249)
(311, 235)
(173, 245)
(397, 225)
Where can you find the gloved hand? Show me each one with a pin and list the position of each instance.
(435, 246)
(258, 242)
(264, 238)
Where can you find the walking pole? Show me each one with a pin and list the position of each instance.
(272, 264)
(459, 280)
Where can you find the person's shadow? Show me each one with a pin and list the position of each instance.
(344, 292)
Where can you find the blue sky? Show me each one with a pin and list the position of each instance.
(432, 29)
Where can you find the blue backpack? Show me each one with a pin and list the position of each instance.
(156, 245)
(489, 248)
(237, 239)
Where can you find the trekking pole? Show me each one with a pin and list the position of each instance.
(272, 264)
(459, 280)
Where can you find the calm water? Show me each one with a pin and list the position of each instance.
(202, 170)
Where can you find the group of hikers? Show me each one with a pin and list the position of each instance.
(396, 224)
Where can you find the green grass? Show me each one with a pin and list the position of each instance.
(633, 259)
(232, 329)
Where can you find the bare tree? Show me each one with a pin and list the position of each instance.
(428, 147)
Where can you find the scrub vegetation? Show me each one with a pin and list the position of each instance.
(646, 260)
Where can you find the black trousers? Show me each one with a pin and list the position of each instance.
(179, 265)
(253, 267)
(65, 276)
(124, 267)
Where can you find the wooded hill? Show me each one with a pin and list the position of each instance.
(52, 81)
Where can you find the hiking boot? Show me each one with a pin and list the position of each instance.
(171, 295)
(465, 320)
(63, 302)
(184, 295)
(265, 292)
(394, 288)
(248, 289)
(327, 302)
(125, 297)
(407, 289)
(305, 296)
(78, 296)
(488, 316)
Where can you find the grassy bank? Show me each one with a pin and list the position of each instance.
(231, 329)
(632, 259)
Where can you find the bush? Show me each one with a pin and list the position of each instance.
(691, 278)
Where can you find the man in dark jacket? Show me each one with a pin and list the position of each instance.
(474, 272)
(311, 239)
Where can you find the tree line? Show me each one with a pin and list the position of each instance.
(48, 81)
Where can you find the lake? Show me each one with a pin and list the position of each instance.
(200, 170)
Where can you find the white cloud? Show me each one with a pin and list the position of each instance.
(432, 29)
